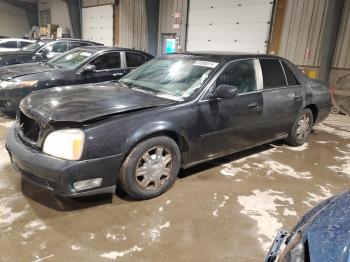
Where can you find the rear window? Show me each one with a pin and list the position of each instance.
(291, 79)
(272, 73)
(78, 44)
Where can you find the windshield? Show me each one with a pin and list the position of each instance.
(34, 46)
(70, 60)
(173, 77)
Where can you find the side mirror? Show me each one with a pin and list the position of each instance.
(89, 68)
(225, 91)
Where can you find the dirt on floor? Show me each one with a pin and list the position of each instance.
(228, 209)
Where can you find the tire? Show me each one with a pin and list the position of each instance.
(147, 171)
(294, 136)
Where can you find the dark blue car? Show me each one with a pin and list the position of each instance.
(323, 234)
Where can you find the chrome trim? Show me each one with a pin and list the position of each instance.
(258, 75)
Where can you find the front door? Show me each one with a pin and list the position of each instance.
(108, 68)
(229, 125)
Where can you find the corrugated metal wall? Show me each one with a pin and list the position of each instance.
(342, 52)
(303, 31)
(133, 24)
(167, 10)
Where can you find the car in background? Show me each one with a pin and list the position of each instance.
(13, 44)
(89, 64)
(322, 234)
(173, 112)
(41, 51)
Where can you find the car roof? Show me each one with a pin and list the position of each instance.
(47, 40)
(96, 49)
(224, 56)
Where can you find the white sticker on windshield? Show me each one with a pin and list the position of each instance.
(206, 64)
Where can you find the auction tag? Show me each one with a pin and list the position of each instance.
(206, 64)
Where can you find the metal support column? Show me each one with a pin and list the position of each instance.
(330, 36)
(75, 16)
(152, 12)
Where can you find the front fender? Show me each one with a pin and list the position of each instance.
(151, 129)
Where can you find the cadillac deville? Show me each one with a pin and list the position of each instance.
(174, 112)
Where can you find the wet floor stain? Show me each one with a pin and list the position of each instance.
(228, 209)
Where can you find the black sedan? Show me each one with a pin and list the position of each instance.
(323, 234)
(81, 65)
(174, 112)
(42, 51)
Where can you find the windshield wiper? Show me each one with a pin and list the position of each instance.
(143, 91)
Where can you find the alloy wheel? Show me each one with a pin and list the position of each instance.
(154, 168)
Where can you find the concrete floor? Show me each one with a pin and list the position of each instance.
(226, 210)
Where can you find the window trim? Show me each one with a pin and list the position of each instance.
(278, 87)
(258, 78)
(126, 62)
(288, 85)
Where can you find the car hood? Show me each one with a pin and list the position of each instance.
(86, 102)
(328, 232)
(13, 71)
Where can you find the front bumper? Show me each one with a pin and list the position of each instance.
(277, 246)
(58, 175)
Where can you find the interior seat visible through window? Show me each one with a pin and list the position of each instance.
(240, 74)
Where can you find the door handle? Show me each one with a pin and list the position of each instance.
(297, 98)
(253, 105)
(118, 74)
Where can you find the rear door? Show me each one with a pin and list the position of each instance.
(108, 67)
(282, 98)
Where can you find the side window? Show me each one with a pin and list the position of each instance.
(272, 73)
(59, 47)
(77, 44)
(23, 44)
(291, 79)
(9, 44)
(240, 74)
(135, 60)
(107, 61)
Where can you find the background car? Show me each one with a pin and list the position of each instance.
(41, 51)
(322, 234)
(79, 66)
(175, 111)
(13, 44)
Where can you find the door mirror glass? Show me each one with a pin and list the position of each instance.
(89, 68)
(225, 91)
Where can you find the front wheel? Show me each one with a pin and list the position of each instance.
(301, 128)
(151, 168)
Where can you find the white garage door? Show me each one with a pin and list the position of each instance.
(229, 25)
(98, 24)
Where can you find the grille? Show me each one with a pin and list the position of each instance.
(38, 180)
(29, 127)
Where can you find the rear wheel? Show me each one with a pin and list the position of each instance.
(151, 168)
(301, 128)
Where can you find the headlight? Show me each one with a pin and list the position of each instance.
(294, 250)
(18, 84)
(66, 144)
